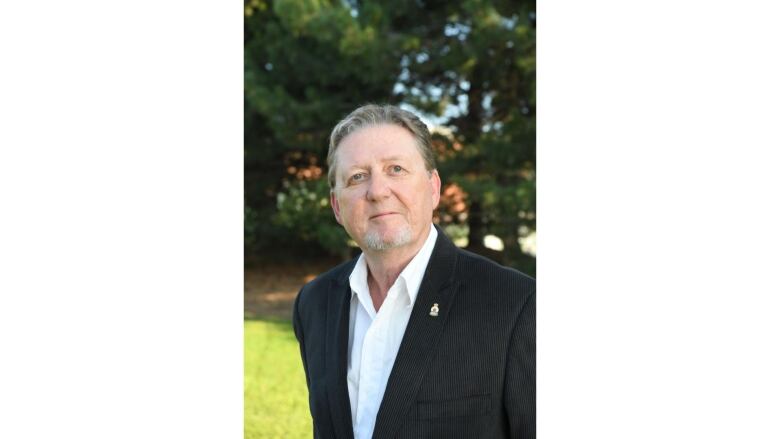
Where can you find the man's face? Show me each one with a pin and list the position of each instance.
(383, 195)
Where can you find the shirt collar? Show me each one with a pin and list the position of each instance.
(358, 282)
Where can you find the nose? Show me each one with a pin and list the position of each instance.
(378, 187)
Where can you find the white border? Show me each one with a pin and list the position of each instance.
(121, 184)
(658, 222)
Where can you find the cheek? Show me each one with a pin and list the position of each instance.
(350, 211)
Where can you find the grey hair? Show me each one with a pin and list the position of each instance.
(372, 115)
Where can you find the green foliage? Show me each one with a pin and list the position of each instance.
(275, 394)
(303, 208)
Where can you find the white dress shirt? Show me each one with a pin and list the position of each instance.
(375, 336)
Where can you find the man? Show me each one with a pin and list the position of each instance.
(415, 338)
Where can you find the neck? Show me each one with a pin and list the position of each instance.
(384, 267)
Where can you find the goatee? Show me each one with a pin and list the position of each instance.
(374, 240)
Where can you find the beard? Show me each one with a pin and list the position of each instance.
(375, 241)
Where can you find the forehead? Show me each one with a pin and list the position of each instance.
(377, 143)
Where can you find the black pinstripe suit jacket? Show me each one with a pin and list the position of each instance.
(467, 373)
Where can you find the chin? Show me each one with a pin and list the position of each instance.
(396, 238)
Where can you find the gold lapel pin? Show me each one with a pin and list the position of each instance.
(434, 310)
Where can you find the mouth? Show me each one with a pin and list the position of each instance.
(382, 215)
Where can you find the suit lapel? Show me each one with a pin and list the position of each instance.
(336, 354)
(420, 338)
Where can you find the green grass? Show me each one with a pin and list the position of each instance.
(275, 396)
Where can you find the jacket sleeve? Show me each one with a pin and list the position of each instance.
(299, 335)
(520, 382)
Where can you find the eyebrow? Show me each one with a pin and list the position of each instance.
(395, 158)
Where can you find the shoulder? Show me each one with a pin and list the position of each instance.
(472, 265)
(316, 289)
(487, 279)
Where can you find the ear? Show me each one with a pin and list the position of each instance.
(334, 203)
(435, 187)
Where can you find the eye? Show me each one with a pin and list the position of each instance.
(396, 169)
(356, 178)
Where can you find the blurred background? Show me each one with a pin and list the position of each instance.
(466, 67)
